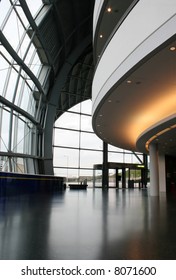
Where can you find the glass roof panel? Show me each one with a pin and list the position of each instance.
(34, 8)
(4, 6)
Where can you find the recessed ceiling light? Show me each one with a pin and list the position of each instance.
(109, 100)
(109, 9)
(129, 82)
(101, 35)
(172, 48)
(100, 115)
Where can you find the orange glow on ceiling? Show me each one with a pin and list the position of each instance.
(150, 114)
(153, 113)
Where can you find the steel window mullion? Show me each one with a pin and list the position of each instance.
(18, 109)
(14, 8)
(12, 65)
(21, 92)
(15, 135)
(20, 62)
(13, 154)
(29, 45)
(26, 132)
(65, 167)
(76, 148)
(7, 17)
(14, 113)
(39, 108)
(16, 86)
(1, 115)
(10, 137)
(72, 129)
(6, 82)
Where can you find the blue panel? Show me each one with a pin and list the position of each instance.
(15, 183)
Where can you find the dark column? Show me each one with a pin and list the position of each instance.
(129, 174)
(117, 178)
(123, 178)
(94, 178)
(105, 174)
(144, 172)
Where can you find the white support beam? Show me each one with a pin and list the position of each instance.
(154, 170)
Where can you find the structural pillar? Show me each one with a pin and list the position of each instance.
(144, 172)
(117, 178)
(162, 173)
(123, 178)
(105, 174)
(154, 170)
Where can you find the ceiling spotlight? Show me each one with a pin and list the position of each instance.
(109, 9)
(172, 48)
(129, 82)
(101, 36)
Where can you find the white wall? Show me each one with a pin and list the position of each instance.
(97, 10)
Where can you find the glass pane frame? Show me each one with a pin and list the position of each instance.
(18, 134)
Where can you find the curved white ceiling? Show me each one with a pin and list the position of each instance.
(144, 98)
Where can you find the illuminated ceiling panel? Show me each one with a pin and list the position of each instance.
(133, 107)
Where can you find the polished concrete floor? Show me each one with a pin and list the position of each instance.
(92, 224)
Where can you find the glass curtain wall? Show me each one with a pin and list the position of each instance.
(20, 68)
(77, 149)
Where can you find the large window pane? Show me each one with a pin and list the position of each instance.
(18, 143)
(10, 91)
(86, 107)
(4, 163)
(75, 108)
(114, 149)
(135, 159)
(18, 165)
(89, 158)
(86, 123)
(90, 141)
(4, 133)
(34, 8)
(5, 6)
(66, 138)
(64, 157)
(68, 120)
(4, 66)
(25, 97)
(115, 157)
(70, 175)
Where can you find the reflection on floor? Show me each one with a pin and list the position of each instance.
(92, 224)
